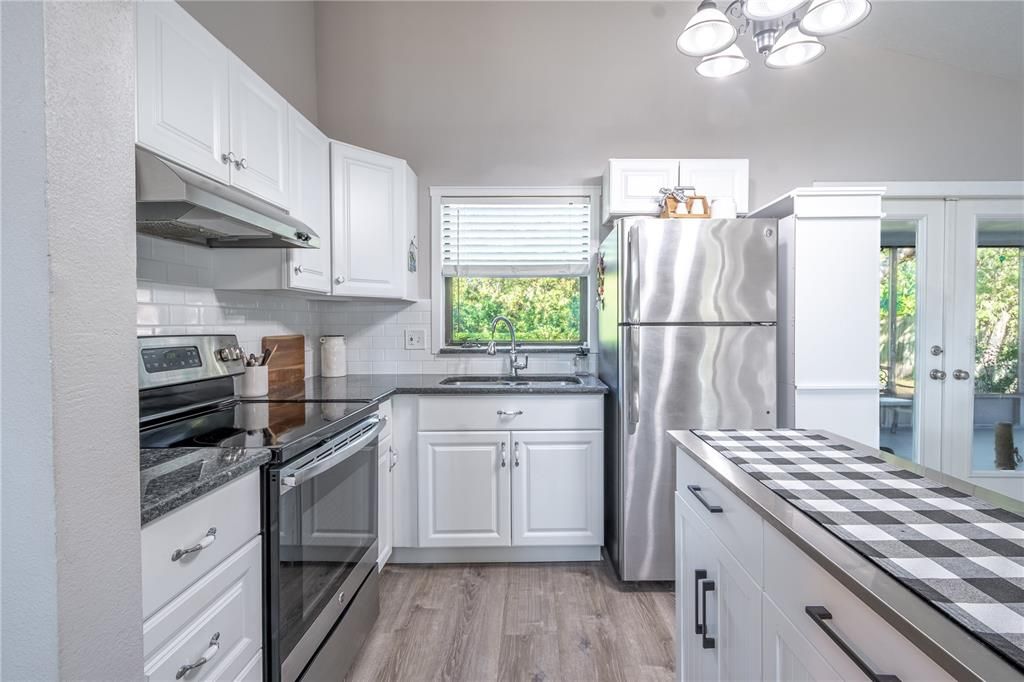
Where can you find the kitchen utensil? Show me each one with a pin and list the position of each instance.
(254, 382)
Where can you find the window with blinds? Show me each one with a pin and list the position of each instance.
(499, 237)
(524, 257)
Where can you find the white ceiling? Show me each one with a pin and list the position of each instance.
(977, 35)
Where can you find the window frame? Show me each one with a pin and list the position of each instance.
(440, 305)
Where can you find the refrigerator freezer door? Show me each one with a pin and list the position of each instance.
(678, 377)
(681, 271)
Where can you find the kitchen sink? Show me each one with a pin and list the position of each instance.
(528, 381)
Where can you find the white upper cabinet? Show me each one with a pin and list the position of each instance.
(310, 179)
(259, 136)
(369, 195)
(633, 186)
(199, 105)
(182, 89)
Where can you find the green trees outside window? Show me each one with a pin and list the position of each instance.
(997, 325)
(543, 309)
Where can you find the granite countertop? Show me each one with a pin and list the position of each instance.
(873, 520)
(377, 387)
(172, 477)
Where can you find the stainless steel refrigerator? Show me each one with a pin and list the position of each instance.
(686, 327)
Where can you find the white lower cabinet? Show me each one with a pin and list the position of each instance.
(557, 487)
(718, 606)
(385, 500)
(787, 655)
(464, 489)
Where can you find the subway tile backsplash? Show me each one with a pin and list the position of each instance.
(175, 296)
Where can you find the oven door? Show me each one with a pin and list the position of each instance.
(321, 542)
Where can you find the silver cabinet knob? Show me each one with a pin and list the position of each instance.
(961, 374)
(227, 158)
(240, 164)
(298, 269)
(937, 374)
(936, 350)
(339, 280)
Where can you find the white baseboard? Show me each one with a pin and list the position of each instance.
(485, 555)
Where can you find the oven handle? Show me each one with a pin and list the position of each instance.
(291, 478)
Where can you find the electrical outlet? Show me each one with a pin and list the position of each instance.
(415, 339)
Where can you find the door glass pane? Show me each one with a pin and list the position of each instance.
(897, 314)
(997, 427)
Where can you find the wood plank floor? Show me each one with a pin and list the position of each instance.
(571, 621)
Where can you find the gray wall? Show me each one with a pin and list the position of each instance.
(515, 93)
(83, 520)
(275, 39)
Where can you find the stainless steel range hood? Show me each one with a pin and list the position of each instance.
(174, 202)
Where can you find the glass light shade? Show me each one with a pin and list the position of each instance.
(760, 10)
(825, 17)
(793, 48)
(708, 32)
(728, 62)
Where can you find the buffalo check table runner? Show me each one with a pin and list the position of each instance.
(960, 553)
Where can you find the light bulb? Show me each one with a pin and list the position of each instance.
(793, 48)
(728, 62)
(760, 10)
(707, 32)
(826, 17)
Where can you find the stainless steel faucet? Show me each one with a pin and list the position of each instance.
(513, 353)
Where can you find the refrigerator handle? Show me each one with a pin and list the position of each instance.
(633, 281)
(633, 397)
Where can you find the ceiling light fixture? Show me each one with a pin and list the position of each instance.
(708, 32)
(712, 34)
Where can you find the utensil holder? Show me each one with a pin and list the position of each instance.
(254, 382)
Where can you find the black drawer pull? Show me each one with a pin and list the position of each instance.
(705, 587)
(819, 614)
(696, 489)
(698, 575)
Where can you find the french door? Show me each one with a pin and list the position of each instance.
(950, 356)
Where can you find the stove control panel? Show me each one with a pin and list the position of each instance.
(169, 359)
(174, 360)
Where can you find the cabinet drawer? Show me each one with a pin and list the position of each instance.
(737, 526)
(384, 409)
(253, 671)
(793, 581)
(510, 412)
(234, 510)
(225, 603)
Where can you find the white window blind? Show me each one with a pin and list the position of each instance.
(509, 237)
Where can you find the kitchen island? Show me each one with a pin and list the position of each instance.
(825, 559)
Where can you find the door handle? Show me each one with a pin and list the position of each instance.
(503, 455)
(705, 587)
(210, 652)
(937, 374)
(633, 282)
(207, 540)
(696, 490)
(819, 614)
(515, 454)
(633, 352)
(961, 374)
(698, 575)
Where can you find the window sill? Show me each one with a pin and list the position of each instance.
(503, 350)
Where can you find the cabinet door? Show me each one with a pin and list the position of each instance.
(718, 179)
(724, 603)
(557, 488)
(788, 656)
(633, 185)
(464, 489)
(182, 89)
(385, 501)
(309, 178)
(368, 195)
(259, 136)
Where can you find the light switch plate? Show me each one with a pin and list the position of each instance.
(415, 339)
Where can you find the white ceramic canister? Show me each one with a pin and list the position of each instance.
(333, 356)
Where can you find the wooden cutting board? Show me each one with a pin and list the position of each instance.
(286, 372)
